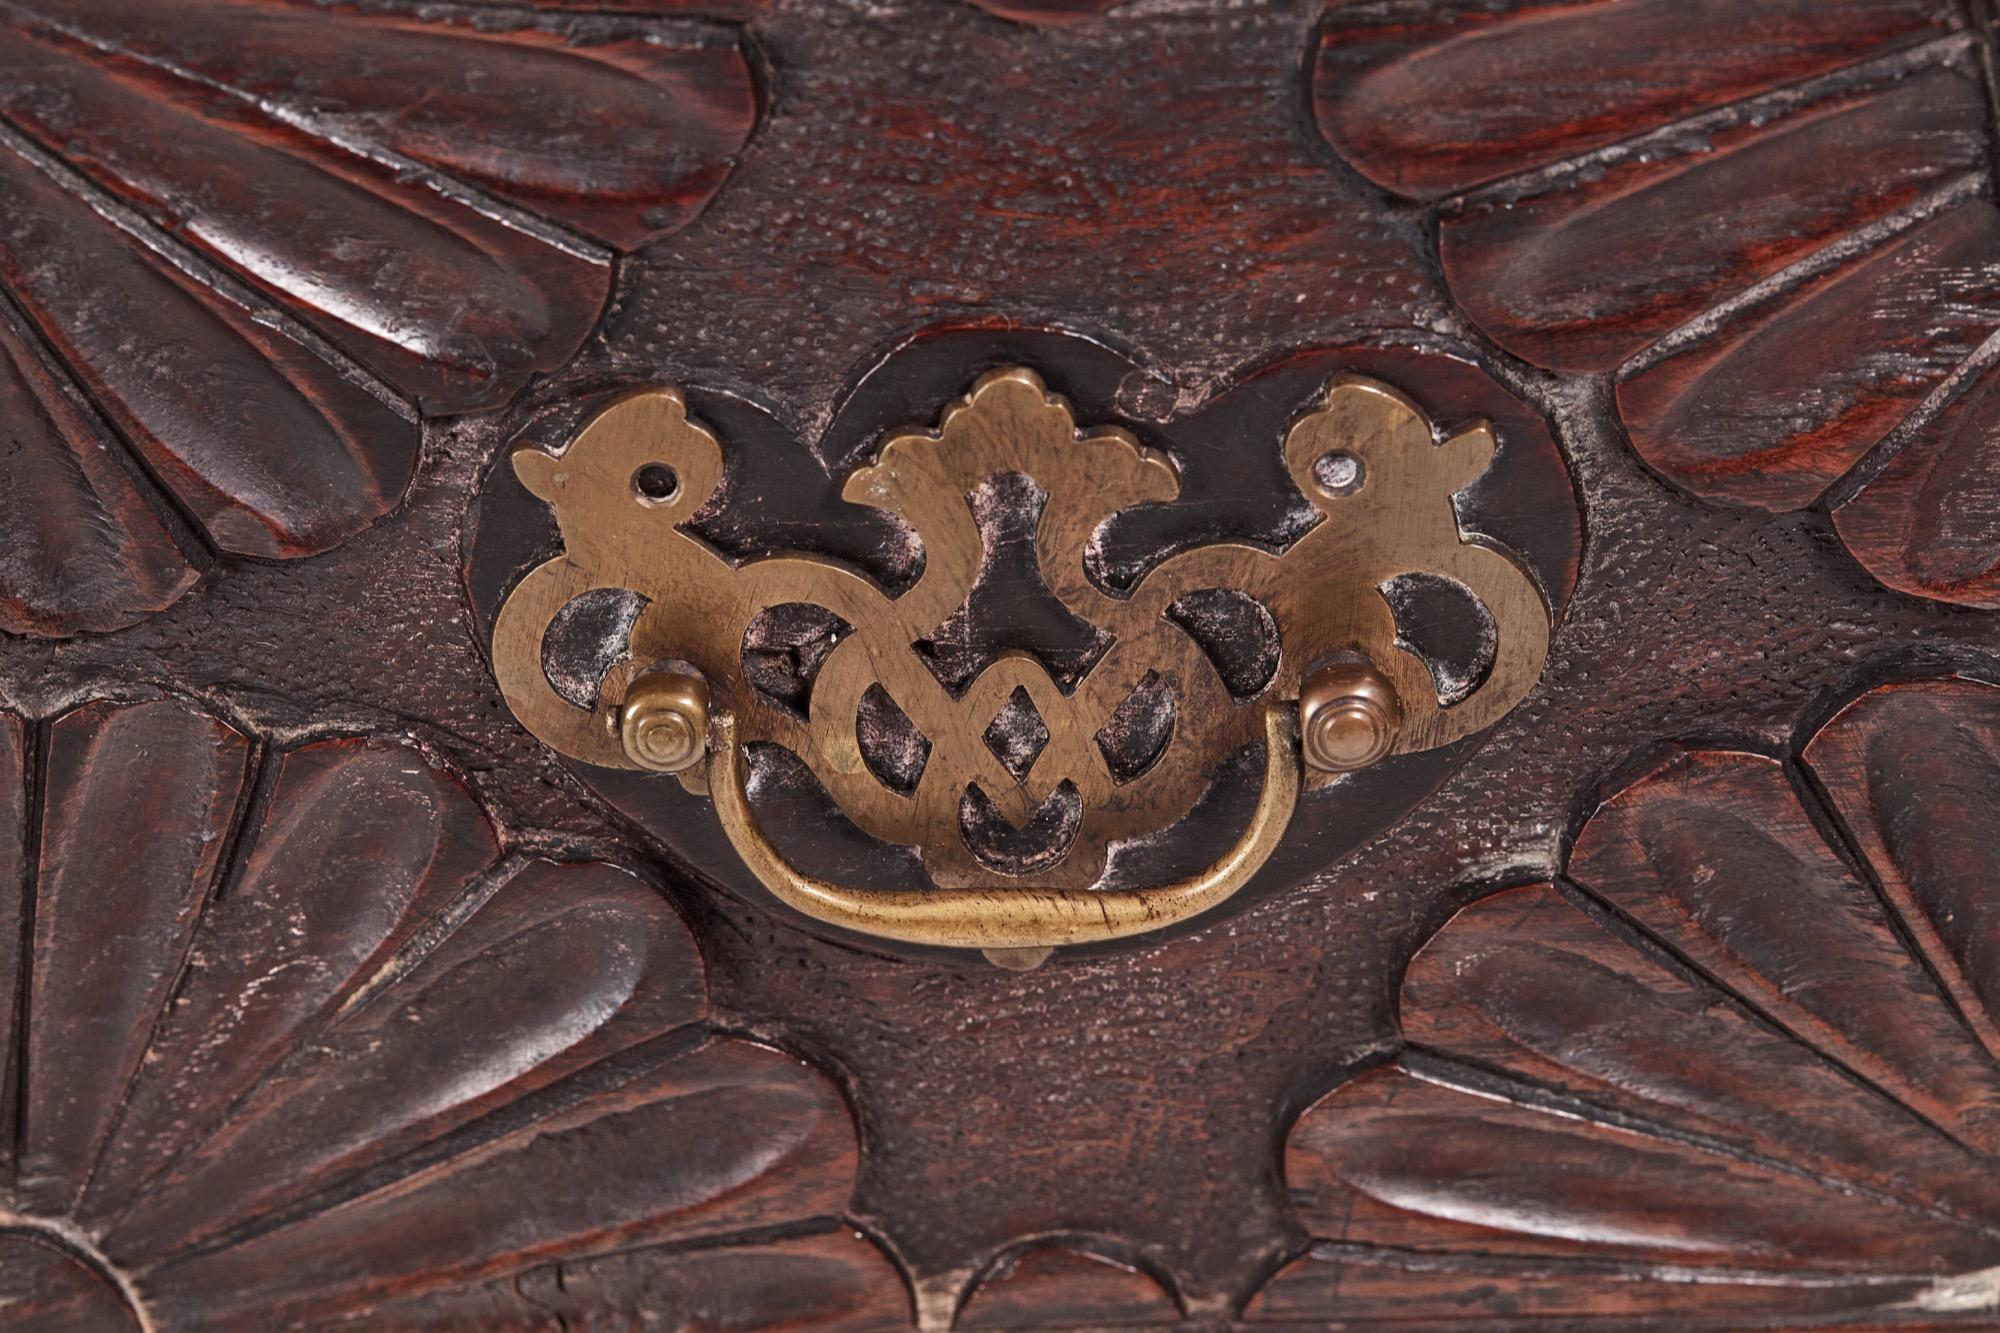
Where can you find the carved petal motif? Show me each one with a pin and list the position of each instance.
(1725, 1072)
(1765, 220)
(234, 274)
(296, 1039)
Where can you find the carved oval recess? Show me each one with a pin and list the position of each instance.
(1724, 1070)
(1778, 362)
(781, 494)
(236, 274)
(295, 1043)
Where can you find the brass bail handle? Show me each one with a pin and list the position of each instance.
(1346, 718)
(626, 493)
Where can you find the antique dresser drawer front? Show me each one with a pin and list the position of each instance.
(960, 664)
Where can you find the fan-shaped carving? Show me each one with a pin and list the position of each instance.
(234, 273)
(1728, 1070)
(295, 1040)
(1767, 221)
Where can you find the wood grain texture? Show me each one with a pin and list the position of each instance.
(1786, 346)
(728, 1138)
(87, 550)
(1370, 1286)
(16, 742)
(1927, 524)
(1149, 183)
(1721, 1056)
(1430, 99)
(621, 134)
(180, 777)
(1589, 270)
(89, 289)
(423, 289)
(170, 198)
(1730, 416)
(830, 1279)
(1053, 1284)
(298, 1038)
(1052, 13)
(1901, 765)
(46, 1289)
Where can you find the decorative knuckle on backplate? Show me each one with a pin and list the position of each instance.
(1056, 757)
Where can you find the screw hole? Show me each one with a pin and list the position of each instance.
(1337, 472)
(656, 484)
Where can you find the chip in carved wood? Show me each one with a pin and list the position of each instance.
(1366, 458)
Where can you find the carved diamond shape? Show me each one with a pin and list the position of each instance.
(1017, 734)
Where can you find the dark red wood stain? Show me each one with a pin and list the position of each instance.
(329, 998)
(1929, 524)
(1727, 418)
(438, 197)
(1430, 98)
(1583, 276)
(320, 1047)
(1054, 1284)
(1721, 1055)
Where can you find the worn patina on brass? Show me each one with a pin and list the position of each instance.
(1366, 457)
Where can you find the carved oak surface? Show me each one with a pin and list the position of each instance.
(330, 997)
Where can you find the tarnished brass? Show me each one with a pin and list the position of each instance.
(1014, 918)
(663, 723)
(1366, 458)
(1348, 717)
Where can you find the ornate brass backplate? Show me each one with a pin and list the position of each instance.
(1346, 692)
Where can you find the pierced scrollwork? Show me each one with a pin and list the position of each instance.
(1366, 457)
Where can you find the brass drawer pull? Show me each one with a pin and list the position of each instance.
(1014, 926)
(1344, 692)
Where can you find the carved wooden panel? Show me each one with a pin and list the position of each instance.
(331, 997)
(237, 270)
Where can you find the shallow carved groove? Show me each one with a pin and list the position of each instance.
(251, 264)
(1726, 1071)
(1770, 360)
(456, 1066)
(1681, 1091)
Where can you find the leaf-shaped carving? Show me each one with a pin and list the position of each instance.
(1726, 1070)
(237, 273)
(298, 1039)
(1929, 523)
(1430, 99)
(1842, 274)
